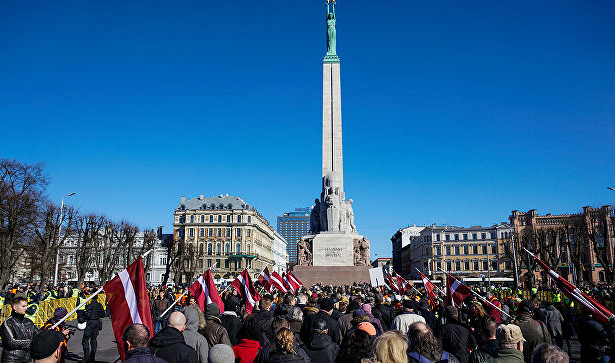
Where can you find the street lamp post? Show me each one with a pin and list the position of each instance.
(55, 274)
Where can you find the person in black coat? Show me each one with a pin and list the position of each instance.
(427, 314)
(456, 338)
(94, 312)
(17, 333)
(263, 318)
(333, 328)
(285, 349)
(320, 347)
(489, 345)
(169, 343)
(593, 338)
(385, 313)
(135, 339)
(230, 320)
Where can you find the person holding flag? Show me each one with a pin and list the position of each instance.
(245, 288)
(429, 288)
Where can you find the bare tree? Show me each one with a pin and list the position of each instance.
(599, 234)
(108, 249)
(149, 241)
(574, 242)
(22, 188)
(89, 231)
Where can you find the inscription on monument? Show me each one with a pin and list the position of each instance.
(333, 250)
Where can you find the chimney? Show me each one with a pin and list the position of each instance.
(201, 196)
(183, 199)
(159, 232)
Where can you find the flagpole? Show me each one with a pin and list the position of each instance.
(77, 308)
(478, 295)
(182, 295)
(434, 285)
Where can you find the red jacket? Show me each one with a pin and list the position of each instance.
(246, 350)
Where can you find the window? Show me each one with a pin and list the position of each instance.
(437, 237)
(219, 248)
(238, 232)
(248, 248)
(475, 265)
(202, 219)
(201, 248)
(209, 262)
(474, 236)
(457, 249)
(202, 232)
(248, 232)
(484, 249)
(458, 265)
(449, 265)
(209, 249)
(191, 232)
(438, 251)
(456, 236)
(466, 265)
(466, 250)
(448, 237)
(483, 235)
(191, 219)
(439, 265)
(219, 218)
(210, 232)
(249, 219)
(448, 251)
(493, 236)
(163, 260)
(211, 218)
(227, 248)
(219, 232)
(494, 249)
(227, 263)
(494, 265)
(228, 218)
(200, 263)
(508, 265)
(475, 249)
(228, 232)
(238, 248)
(239, 218)
(465, 236)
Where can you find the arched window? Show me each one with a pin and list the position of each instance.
(248, 248)
(191, 219)
(227, 248)
(201, 246)
(238, 248)
(219, 248)
(219, 218)
(202, 219)
(209, 249)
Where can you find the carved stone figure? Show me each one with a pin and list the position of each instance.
(350, 216)
(364, 251)
(304, 252)
(333, 212)
(315, 217)
(331, 31)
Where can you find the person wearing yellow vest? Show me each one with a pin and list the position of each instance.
(31, 311)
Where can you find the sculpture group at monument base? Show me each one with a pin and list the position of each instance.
(331, 275)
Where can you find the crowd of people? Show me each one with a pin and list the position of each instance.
(345, 324)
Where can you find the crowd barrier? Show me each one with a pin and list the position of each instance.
(46, 308)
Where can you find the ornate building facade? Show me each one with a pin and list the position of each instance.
(224, 233)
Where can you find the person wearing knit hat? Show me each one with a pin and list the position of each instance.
(58, 314)
(213, 331)
(221, 353)
(367, 327)
(46, 346)
(326, 308)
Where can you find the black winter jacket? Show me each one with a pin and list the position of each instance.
(320, 348)
(332, 325)
(17, 333)
(386, 315)
(142, 355)
(457, 340)
(169, 345)
(486, 350)
(263, 319)
(232, 323)
(278, 356)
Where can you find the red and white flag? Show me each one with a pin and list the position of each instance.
(601, 313)
(293, 281)
(391, 282)
(287, 285)
(265, 279)
(278, 282)
(128, 301)
(456, 291)
(204, 291)
(429, 287)
(243, 285)
(402, 284)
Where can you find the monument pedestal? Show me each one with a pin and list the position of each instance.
(331, 275)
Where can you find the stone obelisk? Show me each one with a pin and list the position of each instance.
(332, 156)
(334, 252)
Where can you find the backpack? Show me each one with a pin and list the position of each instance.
(423, 359)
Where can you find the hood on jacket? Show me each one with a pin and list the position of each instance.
(319, 341)
(167, 336)
(192, 319)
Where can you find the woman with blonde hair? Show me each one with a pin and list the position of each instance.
(390, 347)
(285, 349)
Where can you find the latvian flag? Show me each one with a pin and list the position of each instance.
(265, 279)
(429, 287)
(205, 292)
(389, 280)
(128, 301)
(288, 286)
(456, 292)
(601, 313)
(278, 282)
(293, 281)
(402, 284)
(243, 285)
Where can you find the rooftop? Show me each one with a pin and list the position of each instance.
(221, 202)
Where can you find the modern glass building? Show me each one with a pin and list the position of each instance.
(292, 226)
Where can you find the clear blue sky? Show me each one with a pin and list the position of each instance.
(454, 112)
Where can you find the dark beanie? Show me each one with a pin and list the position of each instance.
(525, 307)
(326, 304)
(231, 303)
(212, 309)
(44, 344)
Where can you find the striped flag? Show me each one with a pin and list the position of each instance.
(456, 291)
(278, 282)
(265, 279)
(243, 285)
(205, 292)
(402, 284)
(128, 301)
(293, 281)
(391, 282)
(287, 285)
(601, 313)
(429, 287)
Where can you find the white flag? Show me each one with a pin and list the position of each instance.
(376, 277)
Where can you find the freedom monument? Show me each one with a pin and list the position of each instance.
(333, 252)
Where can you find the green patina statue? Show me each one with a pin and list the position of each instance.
(331, 28)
